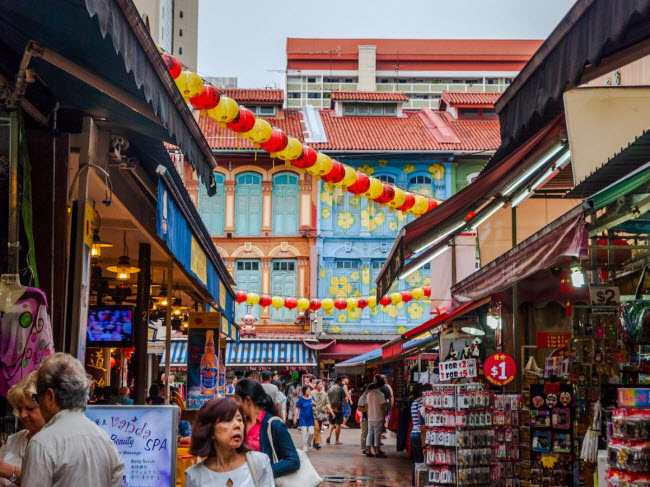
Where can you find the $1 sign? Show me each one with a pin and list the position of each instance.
(500, 369)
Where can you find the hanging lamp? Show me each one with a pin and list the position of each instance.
(123, 269)
(98, 243)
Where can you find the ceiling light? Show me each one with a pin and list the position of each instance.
(493, 321)
(473, 330)
(98, 243)
(577, 276)
(123, 269)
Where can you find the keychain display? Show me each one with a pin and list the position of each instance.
(628, 448)
(505, 451)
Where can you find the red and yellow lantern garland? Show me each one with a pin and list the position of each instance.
(259, 132)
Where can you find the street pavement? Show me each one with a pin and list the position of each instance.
(346, 462)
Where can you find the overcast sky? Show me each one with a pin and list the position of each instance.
(247, 38)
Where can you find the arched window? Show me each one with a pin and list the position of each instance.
(421, 185)
(248, 278)
(284, 282)
(285, 204)
(248, 204)
(212, 208)
(386, 179)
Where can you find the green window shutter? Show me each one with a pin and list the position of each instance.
(285, 204)
(248, 278)
(284, 283)
(212, 209)
(248, 205)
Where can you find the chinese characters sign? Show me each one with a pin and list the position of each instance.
(457, 369)
(553, 340)
(500, 369)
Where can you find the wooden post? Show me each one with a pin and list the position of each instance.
(141, 323)
(168, 327)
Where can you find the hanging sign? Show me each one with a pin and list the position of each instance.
(604, 299)
(553, 340)
(457, 369)
(500, 369)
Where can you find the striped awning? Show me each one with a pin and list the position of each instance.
(272, 353)
(177, 353)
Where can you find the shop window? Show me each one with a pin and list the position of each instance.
(248, 278)
(285, 204)
(212, 208)
(284, 283)
(248, 204)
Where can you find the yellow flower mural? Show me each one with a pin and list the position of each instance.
(326, 197)
(415, 279)
(402, 329)
(365, 275)
(342, 318)
(409, 168)
(322, 273)
(415, 310)
(393, 310)
(366, 332)
(340, 287)
(356, 293)
(326, 213)
(401, 216)
(373, 312)
(345, 220)
(372, 219)
(354, 201)
(336, 329)
(367, 169)
(438, 171)
(427, 280)
(355, 314)
(393, 225)
(354, 276)
(382, 162)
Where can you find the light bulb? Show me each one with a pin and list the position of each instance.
(95, 251)
(577, 278)
(163, 302)
(123, 275)
(493, 321)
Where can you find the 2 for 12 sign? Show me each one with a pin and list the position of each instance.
(457, 369)
(500, 369)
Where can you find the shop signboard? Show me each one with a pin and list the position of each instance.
(605, 299)
(145, 438)
(500, 369)
(205, 375)
(458, 369)
(553, 340)
(633, 398)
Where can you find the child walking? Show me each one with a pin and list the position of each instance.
(304, 416)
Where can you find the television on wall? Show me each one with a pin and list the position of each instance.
(110, 326)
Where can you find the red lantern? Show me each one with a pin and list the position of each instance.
(241, 297)
(112, 362)
(290, 303)
(276, 143)
(427, 291)
(340, 303)
(361, 185)
(470, 215)
(385, 301)
(406, 296)
(306, 159)
(408, 202)
(265, 301)
(337, 173)
(314, 305)
(432, 204)
(173, 65)
(243, 122)
(362, 303)
(208, 99)
(387, 194)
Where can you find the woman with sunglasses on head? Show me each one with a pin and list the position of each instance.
(219, 434)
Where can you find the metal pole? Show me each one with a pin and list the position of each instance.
(142, 322)
(515, 304)
(14, 221)
(168, 328)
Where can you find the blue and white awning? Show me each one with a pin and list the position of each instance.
(276, 353)
(177, 354)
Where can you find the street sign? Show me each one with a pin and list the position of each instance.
(458, 369)
(500, 369)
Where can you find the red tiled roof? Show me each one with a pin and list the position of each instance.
(461, 98)
(475, 134)
(225, 139)
(368, 96)
(245, 95)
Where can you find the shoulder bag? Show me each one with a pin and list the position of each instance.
(251, 466)
(306, 476)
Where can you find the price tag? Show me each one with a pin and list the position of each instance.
(458, 369)
(500, 369)
(603, 296)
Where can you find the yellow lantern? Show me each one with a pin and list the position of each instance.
(375, 189)
(327, 304)
(372, 301)
(252, 298)
(349, 179)
(189, 84)
(417, 293)
(291, 151)
(226, 111)
(398, 200)
(303, 304)
(260, 133)
(395, 298)
(352, 303)
(421, 205)
(277, 302)
(323, 165)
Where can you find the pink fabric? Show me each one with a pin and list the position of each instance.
(253, 435)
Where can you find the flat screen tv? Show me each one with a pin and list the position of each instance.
(110, 326)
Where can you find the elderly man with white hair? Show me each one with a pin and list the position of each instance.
(70, 450)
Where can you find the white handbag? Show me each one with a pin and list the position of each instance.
(306, 476)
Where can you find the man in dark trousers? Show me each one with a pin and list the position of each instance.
(337, 397)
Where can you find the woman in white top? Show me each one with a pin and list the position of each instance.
(12, 452)
(218, 434)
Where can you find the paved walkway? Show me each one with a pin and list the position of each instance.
(347, 461)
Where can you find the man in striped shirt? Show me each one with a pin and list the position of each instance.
(418, 433)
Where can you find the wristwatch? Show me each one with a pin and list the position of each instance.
(13, 477)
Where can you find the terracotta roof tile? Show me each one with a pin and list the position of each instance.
(456, 98)
(245, 95)
(476, 135)
(368, 96)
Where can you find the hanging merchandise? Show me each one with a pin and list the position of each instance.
(506, 415)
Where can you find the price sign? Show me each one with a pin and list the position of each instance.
(633, 398)
(603, 297)
(457, 369)
(553, 340)
(500, 369)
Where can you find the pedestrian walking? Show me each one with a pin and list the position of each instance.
(219, 434)
(337, 398)
(273, 391)
(259, 411)
(322, 410)
(70, 450)
(376, 404)
(294, 395)
(304, 417)
(362, 408)
(419, 429)
(231, 387)
(282, 399)
(347, 406)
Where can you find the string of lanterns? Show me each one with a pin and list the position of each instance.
(226, 111)
(329, 304)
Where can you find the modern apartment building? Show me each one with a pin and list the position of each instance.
(174, 26)
(420, 68)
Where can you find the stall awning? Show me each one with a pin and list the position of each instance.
(357, 365)
(276, 353)
(566, 236)
(177, 353)
(344, 351)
